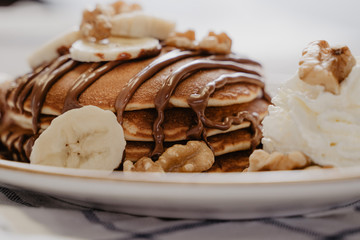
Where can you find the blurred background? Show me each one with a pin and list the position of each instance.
(273, 32)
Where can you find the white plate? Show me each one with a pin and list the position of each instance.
(205, 195)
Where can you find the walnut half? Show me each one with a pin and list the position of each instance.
(184, 40)
(216, 43)
(144, 164)
(123, 7)
(260, 160)
(96, 24)
(195, 156)
(213, 43)
(324, 65)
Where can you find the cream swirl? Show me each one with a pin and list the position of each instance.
(324, 126)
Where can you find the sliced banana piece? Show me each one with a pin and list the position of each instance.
(85, 138)
(139, 24)
(114, 48)
(52, 49)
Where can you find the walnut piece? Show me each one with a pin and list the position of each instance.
(184, 40)
(123, 7)
(260, 160)
(324, 65)
(195, 156)
(144, 164)
(96, 24)
(216, 43)
(213, 43)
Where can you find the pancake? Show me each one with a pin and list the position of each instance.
(219, 99)
(137, 125)
(231, 162)
(99, 94)
(15, 139)
(178, 121)
(163, 87)
(221, 144)
(19, 141)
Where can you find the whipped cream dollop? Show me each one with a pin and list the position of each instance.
(322, 125)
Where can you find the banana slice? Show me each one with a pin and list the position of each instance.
(139, 24)
(114, 48)
(52, 49)
(86, 138)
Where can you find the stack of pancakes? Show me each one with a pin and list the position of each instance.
(32, 101)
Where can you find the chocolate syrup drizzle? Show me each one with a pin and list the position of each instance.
(43, 85)
(93, 73)
(16, 142)
(198, 103)
(37, 84)
(81, 83)
(21, 83)
(153, 68)
(163, 97)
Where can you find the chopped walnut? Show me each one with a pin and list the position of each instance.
(216, 43)
(123, 7)
(213, 43)
(190, 34)
(260, 160)
(195, 156)
(144, 164)
(182, 40)
(96, 24)
(325, 65)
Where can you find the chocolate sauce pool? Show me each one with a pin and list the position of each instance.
(37, 84)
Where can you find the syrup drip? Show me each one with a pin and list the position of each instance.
(129, 90)
(93, 73)
(37, 84)
(163, 97)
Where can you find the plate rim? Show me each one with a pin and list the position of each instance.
(326, 175)
(200, 196)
